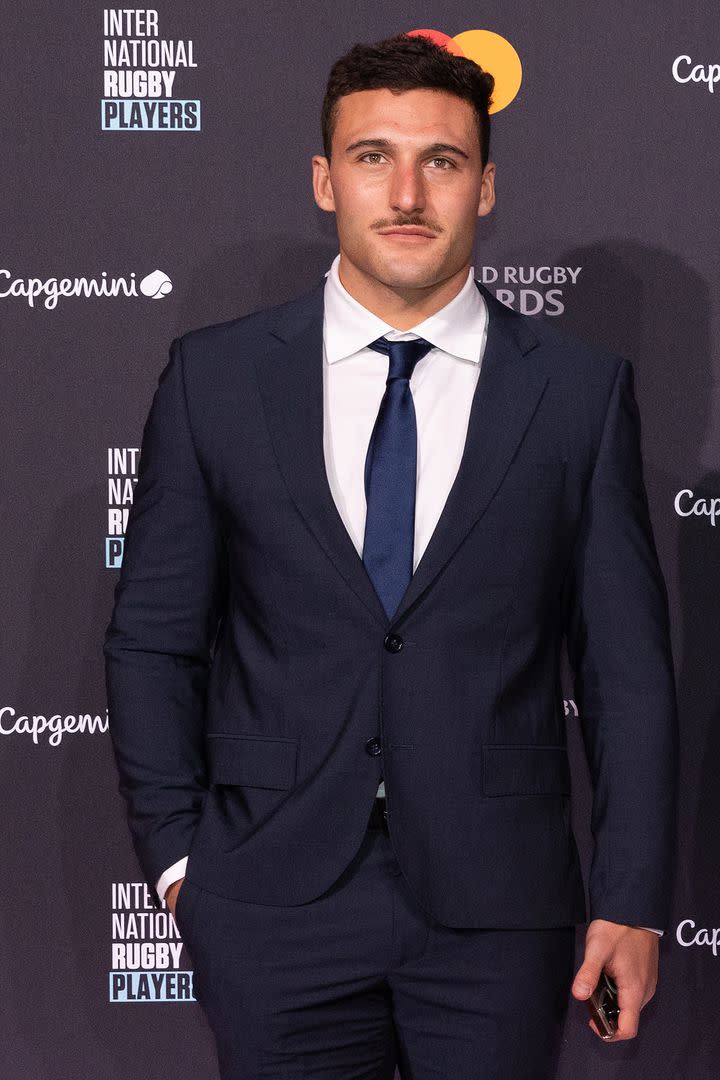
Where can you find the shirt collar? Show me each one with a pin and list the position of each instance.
(456, 329)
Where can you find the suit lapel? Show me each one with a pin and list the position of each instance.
(508, 391)
(291, 384)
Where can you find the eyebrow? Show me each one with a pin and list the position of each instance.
(386, 144)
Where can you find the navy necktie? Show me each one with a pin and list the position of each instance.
(390, 477)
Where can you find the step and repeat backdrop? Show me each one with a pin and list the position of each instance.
(156, 178)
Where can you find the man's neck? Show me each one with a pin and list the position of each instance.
(401, 308)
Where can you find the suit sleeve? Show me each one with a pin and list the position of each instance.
(168, 602)
(619, 646)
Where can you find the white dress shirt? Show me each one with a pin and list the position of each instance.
(442, 386)
(354, 378)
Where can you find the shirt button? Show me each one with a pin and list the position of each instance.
(373, 746)
(393, 642)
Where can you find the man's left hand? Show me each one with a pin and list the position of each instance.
(629, 954)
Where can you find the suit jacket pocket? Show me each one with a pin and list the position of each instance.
(536, 769)
(265, 761)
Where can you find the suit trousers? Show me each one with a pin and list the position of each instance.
(361, 981)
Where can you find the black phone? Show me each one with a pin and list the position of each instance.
(603, 1006)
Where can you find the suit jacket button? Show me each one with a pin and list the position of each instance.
(393, 642)
(373, 746)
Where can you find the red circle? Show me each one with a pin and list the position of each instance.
(438, 38)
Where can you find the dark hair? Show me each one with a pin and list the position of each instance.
(408, 63)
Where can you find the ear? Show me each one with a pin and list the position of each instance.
(322, 184)
(487, 190)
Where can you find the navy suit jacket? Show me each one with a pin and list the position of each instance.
(257, 689)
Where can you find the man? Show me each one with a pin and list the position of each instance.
(364, 522)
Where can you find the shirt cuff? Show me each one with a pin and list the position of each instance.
(173, 873)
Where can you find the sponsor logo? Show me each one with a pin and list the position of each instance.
(491, 52)
(140, 69)
(51, 729)
(688, 935)
(122, 463)
(686, 505)
(685, 71)
(146, 949)
(155, 285)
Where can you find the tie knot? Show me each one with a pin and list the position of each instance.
(404, 355)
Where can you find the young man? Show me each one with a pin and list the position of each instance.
(364, 522)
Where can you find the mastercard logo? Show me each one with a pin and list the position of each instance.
(491, 51)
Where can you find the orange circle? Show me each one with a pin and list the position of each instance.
(494, 54)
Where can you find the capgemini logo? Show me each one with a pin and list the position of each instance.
(156, 285)
(686, 505)
(684, 70)
(46, 292)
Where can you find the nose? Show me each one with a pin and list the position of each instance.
(407, 189)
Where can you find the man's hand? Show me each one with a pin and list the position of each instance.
(629, 954)
(172, 894)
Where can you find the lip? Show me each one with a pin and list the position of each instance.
(410, 231)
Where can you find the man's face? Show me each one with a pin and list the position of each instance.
(406, 184)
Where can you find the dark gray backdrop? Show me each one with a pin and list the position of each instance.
(605, 162)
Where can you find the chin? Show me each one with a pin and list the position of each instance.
(406, 274)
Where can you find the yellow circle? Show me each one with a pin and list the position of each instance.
(496, 55)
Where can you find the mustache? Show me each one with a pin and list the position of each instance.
(418, 222)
